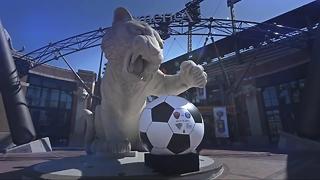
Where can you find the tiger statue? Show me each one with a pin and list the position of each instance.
(134, 52)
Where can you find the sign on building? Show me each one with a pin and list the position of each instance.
(221, 122)
(167, 18)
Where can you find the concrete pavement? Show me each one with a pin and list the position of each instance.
(266, 165)
(238, 164)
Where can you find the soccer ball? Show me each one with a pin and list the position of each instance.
(171, 125)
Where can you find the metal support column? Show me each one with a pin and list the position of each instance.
(18, 115)
(189, 38)
(234, 33)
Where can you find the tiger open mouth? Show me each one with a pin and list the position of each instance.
(137, 66)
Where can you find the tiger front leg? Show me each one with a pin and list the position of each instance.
(193, 75)
(190, 75)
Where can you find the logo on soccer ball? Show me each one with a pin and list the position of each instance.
(189, 126)
(179, 125)
(187, 115)
(176, 115)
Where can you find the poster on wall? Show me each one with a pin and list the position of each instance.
(221, 123)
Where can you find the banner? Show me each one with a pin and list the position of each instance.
(221, 122)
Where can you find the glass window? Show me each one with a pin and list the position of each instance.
(50, 83)
(284, 95)
(294, 84)
(35, 115)
(296, 95)
(301, 83)
(65, 100)
(33, 95)
(34, 80)
(69, 101)
(45, 97)
(270, 115)
(276, 115)
(63, 117)
(273, 115)
(54, 98)
(50, 103)
(273, 96)
(267, 100)
(270, 97)
(43, 119)
(275, 128)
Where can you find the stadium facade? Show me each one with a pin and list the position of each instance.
(262, 87)
(53, 95)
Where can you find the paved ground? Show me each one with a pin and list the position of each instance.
(238, 164)
(250, 165)
(267, 165)
(14, 166)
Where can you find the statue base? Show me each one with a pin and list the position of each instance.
(97, 167)
(36, 146)
(173, 164)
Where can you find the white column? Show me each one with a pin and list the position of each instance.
(253, 111)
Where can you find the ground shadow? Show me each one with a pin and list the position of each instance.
(81, 166)
(85, 167)
(303, 165)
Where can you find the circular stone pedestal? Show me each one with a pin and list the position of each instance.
(108, 168)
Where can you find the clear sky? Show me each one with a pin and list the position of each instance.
(35, 23)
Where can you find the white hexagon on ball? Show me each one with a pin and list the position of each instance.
(196, 135)
(159, 134)
(145, 120)
(181, 121)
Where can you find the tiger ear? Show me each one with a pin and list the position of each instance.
(121, 15)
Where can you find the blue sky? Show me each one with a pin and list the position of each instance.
(35, 23)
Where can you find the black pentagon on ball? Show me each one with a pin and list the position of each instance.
(194, 111)
(145, 141)
(179, 143)
(161, 112)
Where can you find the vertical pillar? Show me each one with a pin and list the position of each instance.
(253, 111)
(309, 122)
(18, 115)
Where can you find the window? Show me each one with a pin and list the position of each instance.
(273, 115)
(45, 97)
(43, 119)
(270, 97)
(34, 80)
(280, 102)
(51, 83)
(296, 95)
(301, 83)
(54, 98)
(65, 100)
(50, 102)
(284, 95)
(33, 95)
